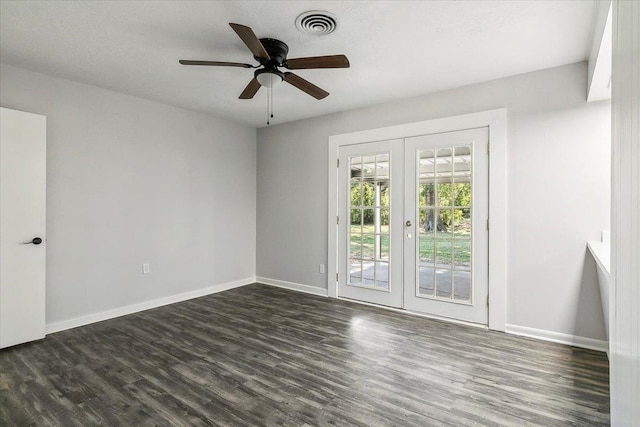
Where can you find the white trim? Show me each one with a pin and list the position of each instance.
(496, 120)
(498, 220)
(146, 305)
(313, 290)
(624, 316)
(558, 337)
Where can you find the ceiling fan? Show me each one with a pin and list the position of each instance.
(272, 55)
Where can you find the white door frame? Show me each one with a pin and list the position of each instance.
(496, 121)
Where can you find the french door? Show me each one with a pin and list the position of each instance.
(413, 217)
(370, 222)
(446, 245)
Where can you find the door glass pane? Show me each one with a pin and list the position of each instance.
(368, 216)
(462, 192)
(356, 193)
(444, 193)
(382, 167)
(355, 247)
(426, 221)
(443, 252)
(355, 218)
(427, 194)
(462, 166)
(368, 194)
(368, 273)
(444, 209)
(355, 271)
(427, 251)
(462, 254)
(426, 165)
(384, 247)
(368, 246)
(382, 275)
(384, 194)
(368, 168)
(443, 283)
(356, 168)
(462, 285)
(444, 162)
(462, 222)
(384, 221)
(426, 281)
(463, 153)
(369, 221)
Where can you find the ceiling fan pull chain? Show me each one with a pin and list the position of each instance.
(270, 91)
(268, 96)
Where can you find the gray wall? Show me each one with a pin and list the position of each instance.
(558, 190)
(132, 181)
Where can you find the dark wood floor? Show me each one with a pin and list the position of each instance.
(260, 355)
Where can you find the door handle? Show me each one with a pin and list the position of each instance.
(34, 241)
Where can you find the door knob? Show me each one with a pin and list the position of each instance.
(35, 241)
(408, 223)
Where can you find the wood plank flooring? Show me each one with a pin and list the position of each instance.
(264, 356)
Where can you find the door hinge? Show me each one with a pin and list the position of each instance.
(337, 163)
(336, 277)
(487, 225)
(487, 300)
(338, 220)
(489, 148)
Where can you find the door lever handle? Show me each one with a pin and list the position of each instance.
(34, 241)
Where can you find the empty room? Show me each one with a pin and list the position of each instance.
(311, 213)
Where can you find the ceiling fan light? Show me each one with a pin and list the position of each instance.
(269, 79)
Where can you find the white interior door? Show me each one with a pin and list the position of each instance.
(370, 200)
(22, 223)
(446, 231)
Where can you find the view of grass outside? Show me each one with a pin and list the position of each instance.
(430, 247)
(444, 222)
(446, 249)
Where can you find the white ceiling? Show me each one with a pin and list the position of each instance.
(397, 49)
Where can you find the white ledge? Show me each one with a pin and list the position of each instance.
(602, 254)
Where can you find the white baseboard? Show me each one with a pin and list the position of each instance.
(293, 286)
(146, 305)
(558, 337)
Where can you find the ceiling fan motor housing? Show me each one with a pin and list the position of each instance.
(276, 49)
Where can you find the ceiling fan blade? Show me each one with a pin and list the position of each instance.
(331, 61)
(251, 40)
(250, 90)
(305, 86)
(215, 63)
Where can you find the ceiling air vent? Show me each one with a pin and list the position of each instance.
(317, 22)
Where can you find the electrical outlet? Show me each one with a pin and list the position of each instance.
(321, 269)
(145, 269)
